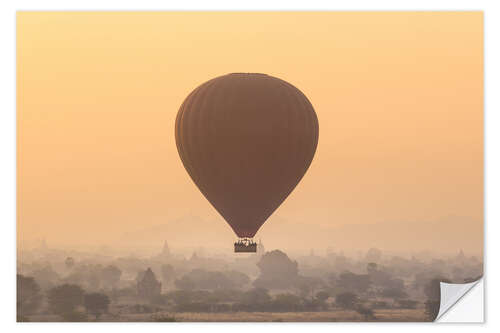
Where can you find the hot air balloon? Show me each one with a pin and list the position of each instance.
(246, 140)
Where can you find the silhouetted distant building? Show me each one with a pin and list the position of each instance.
(460, 258)
(166, 250)
(148, 286)
(260, 247)
(69, 262)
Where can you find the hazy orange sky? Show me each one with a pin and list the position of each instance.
(399, 98)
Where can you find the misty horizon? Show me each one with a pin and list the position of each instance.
(178, 232)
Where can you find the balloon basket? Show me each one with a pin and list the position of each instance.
(245, 245)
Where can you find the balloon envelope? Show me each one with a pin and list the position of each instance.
(246, 140)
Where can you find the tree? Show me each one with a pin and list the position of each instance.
(277, 271)
(395, 293)
(286, 303)
(28, 295)
(69, 262)
(433, 291)
(332, 279)
(371, 267)
(277, 263)
(365, 312)
(308, 285)
(181, 296)
(380, 277)
(203, 279)
(433, 288)
(65, 298)
(93, 280)
(225, 295)
(237, 279)
(87, 276)
(256, 296)
(432, 309)
(257, 299)
(96, 304)
(110, 275)
(320, 299)
(347, 300)
(354, 282)
(373, 255)
(322, 296)
(395, 283)
(46, 277)
(422, 278)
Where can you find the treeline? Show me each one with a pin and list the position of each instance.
(260, 300)
(66, 300)
(85, 291)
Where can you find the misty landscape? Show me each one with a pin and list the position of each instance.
(342, 156)
(270, 285)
